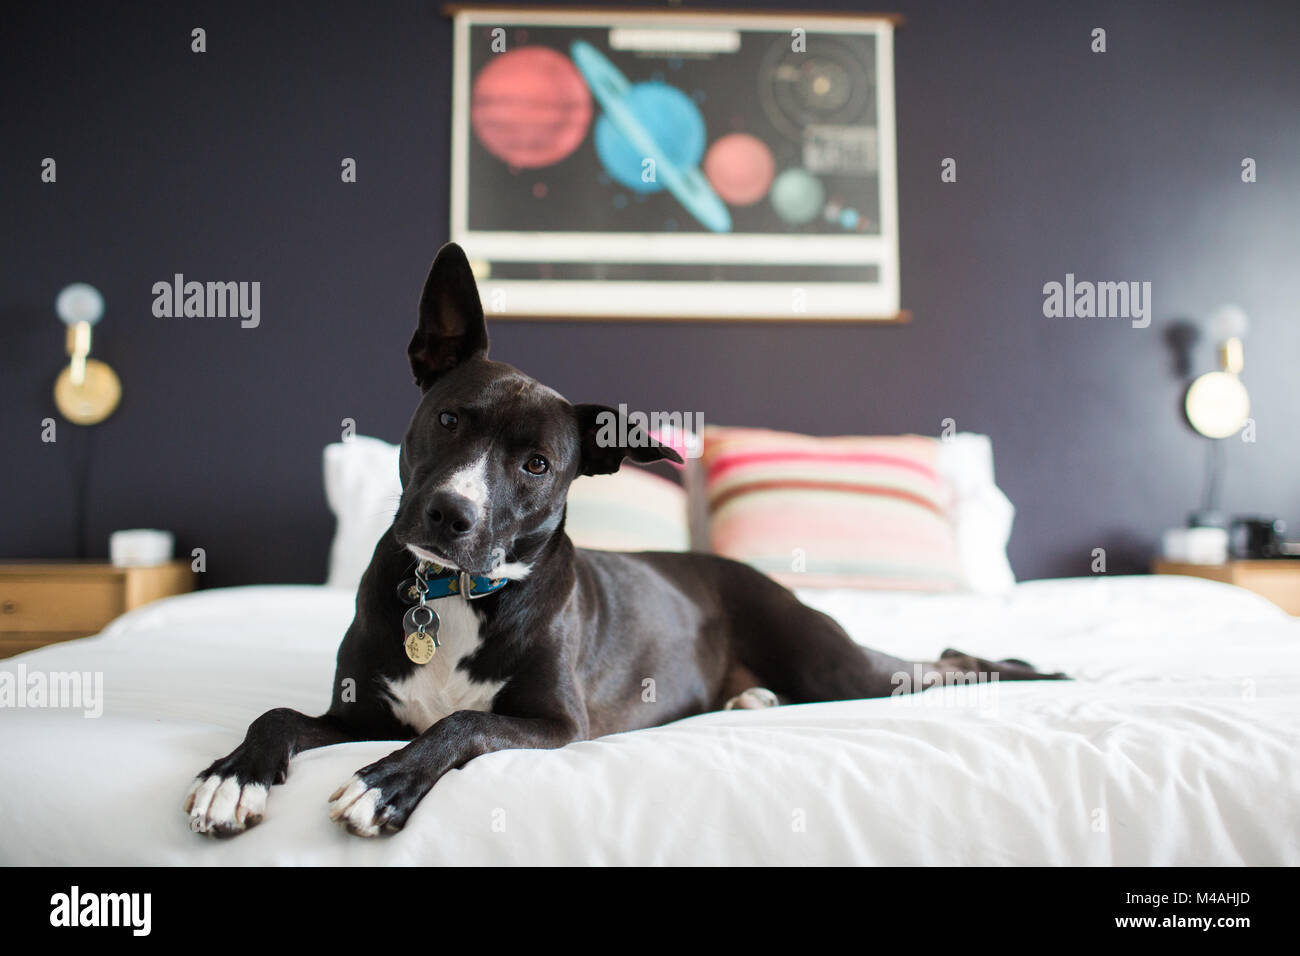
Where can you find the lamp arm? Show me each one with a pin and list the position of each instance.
(79, 349)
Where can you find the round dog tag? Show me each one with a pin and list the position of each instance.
(408, 592)
(420, 647)
(421, 618)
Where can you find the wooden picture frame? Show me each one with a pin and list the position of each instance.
(665, 164)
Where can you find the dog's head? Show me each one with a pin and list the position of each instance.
(488, 457)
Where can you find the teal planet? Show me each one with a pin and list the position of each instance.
(797, 196)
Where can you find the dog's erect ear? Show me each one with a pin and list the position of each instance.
(451, 325)
(608, 438)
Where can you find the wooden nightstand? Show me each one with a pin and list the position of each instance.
(42, 602)
(1277, 580)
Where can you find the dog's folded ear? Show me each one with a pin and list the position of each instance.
(608, 437)
(451, 327)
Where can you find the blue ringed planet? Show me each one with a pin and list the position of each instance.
(686, 182)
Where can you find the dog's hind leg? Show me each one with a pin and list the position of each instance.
(957, 668)
(230, 795)
(804, 656)
(953, 663)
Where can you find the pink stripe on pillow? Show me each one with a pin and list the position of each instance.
(727, 461)
(832, 512)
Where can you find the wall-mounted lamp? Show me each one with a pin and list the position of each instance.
(87, 391)
(1217, 404)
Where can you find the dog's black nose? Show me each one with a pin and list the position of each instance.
(452, 513)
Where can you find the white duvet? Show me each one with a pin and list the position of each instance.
(1178, 743)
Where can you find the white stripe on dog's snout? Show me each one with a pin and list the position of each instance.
(471, 482)
(423, 555)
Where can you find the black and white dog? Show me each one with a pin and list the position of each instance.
(479, 626)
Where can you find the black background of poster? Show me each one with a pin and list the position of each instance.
(580, 195)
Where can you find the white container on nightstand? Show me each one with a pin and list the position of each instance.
(140, 547)
(1196, 545)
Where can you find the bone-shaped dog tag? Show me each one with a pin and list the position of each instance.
(420, 647)
(421, 618)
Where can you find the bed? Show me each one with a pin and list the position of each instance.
(1176, 744)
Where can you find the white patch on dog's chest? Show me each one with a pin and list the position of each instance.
(440, 687)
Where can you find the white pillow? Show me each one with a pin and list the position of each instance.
(981, 514)
(630, 510)
(362, 486)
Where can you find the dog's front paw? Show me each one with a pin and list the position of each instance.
(222, 806)
(359, 808)
(377, 800)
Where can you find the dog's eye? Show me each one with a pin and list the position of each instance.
(448, 421)
(536, 465)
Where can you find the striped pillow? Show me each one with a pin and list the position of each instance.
(832, 512)
(630, 510)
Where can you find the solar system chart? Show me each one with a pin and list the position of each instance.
(704, 166)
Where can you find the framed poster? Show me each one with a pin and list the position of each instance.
(676, 164)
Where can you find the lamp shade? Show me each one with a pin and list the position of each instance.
(1217, 404)
(79, 302)
(1228, 322)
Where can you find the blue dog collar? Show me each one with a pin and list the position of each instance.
(439, 583)
(432, 581)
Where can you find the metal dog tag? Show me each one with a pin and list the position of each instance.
(421, 618)
(408, 592)
(420, 647)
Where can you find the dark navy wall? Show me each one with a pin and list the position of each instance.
(226, 166)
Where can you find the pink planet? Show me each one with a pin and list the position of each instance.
(740, 168)
(530, 107)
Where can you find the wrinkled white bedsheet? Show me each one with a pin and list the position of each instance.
(1178, 743)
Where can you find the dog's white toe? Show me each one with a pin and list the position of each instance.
(756, 698)
(221, 806)
(356, 806)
